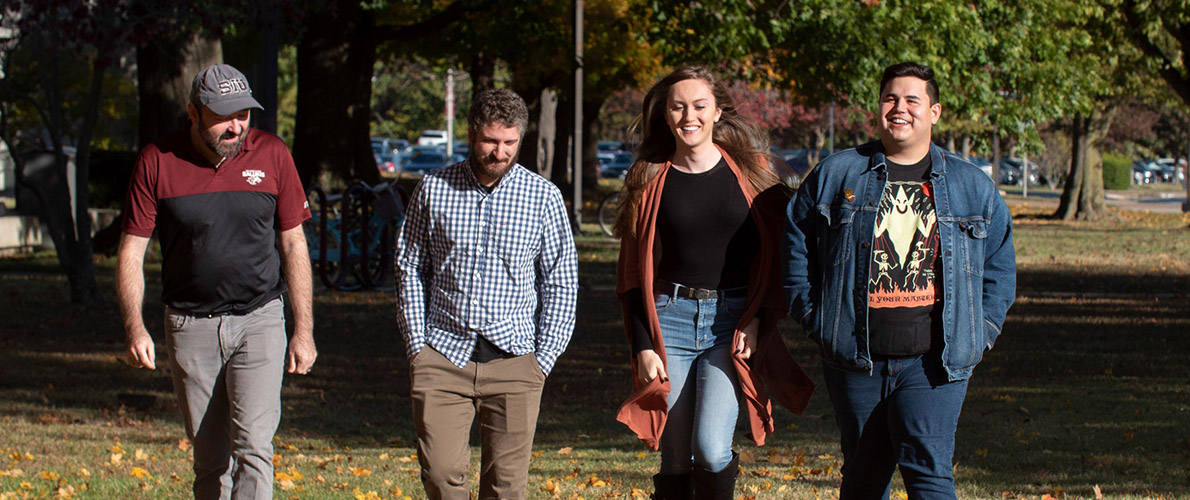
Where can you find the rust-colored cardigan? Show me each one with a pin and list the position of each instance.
(771, 364)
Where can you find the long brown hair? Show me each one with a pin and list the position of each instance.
(738, 137)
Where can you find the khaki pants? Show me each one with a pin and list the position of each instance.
(507, 395)
(227, 375)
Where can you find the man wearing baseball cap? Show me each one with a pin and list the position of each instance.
(218, 195)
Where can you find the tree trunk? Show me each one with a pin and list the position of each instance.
(1084, 196)
(1067, 206)
(950, 142)
(67, 218)
(547, 132)
(564, 124)
(332, 129)
(966, 145)
(592, 133)
(165, 70)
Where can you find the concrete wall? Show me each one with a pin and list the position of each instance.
(26, 233)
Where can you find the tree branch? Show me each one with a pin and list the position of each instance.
(1178, 82)
(430, 27)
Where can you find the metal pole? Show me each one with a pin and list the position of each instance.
(577, 145)
(450, 112)
(1025, 176)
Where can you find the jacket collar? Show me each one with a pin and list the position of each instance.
(877, 160)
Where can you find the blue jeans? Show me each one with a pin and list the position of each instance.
(704, 392)
(904, 414)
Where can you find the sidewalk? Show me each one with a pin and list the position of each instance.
(1131, 199)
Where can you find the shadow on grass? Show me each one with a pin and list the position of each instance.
(1088, 386)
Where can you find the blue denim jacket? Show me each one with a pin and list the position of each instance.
(828, 240)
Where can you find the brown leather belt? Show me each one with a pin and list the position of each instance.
(685, 292)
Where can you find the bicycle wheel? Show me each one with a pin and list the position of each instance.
(607, 212)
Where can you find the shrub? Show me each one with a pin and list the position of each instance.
(1117, 171)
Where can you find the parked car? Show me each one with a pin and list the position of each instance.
(1144, 172)
(425, 161)
(388, 146)
(604, 158)
(610, 146)
(799, 159)
(983, 164)
(1170, 170)
(432, 138)
(1010, 172)
(385, 164)
(619, 165)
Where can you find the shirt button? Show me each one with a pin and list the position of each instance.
(865, 245)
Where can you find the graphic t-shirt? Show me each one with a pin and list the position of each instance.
(904, 310)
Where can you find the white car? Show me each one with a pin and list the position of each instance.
(432, 138)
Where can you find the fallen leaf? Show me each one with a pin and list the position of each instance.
(361, 472)
(565, 451)
(184, 444)
(1098, 492)
(140, 473)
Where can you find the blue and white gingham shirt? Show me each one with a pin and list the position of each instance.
(499, 264)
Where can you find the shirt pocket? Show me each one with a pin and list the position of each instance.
(839, 236)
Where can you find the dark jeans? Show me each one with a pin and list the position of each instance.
(904, 414)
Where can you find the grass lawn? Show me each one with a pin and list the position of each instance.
(1087, 391)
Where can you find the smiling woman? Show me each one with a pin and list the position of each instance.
(693, 316)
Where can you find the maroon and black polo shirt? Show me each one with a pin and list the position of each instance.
(217, 227)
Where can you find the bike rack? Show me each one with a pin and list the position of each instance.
(362, 209)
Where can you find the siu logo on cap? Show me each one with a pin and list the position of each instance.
(232, 86)
(254, 176)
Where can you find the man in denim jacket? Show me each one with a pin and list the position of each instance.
(899, 262)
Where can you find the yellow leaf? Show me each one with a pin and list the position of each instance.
(901, 495)
(140, 454)
(116, 458)
(117, 449)
(26, 485)
(285, 484)
(12, 473)
(184, 444)
(49, 476)
(565, 451)
(641, 455)
(384, 456)
(361, 472)
(140, 473)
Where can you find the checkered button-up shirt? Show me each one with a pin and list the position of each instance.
(500, 264)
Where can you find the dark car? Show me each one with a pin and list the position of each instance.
(618, 166)
(425, 161)
(1011, 174)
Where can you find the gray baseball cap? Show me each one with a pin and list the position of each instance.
(223, 89)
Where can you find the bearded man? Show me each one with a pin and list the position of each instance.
(487, 280)
(218, 195)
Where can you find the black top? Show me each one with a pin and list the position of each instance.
(904, 317)
(707, 237)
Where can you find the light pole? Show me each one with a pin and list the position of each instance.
(577, 143)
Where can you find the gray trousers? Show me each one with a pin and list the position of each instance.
(505, 392)
(227, 375)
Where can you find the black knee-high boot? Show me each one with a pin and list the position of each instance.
(716, 485)
(673, 487)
